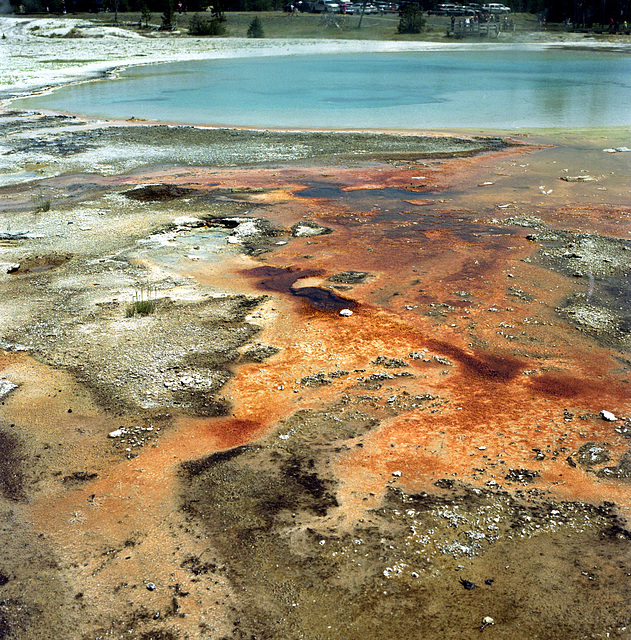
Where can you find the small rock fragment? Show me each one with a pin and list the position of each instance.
(346, 313)
(584, 178)
(116, 434)
(607, 415)
(486, 621)
(308, 229)
(6, 386)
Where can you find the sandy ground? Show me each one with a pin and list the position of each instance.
(312, 385)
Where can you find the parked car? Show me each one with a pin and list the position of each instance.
(299, 5)
(495, 8)
(442, 10)
(459, 10)
(326, 6)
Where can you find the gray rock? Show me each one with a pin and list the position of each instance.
(579, 178)
(307, 229)
(349, 277)
(592, 453)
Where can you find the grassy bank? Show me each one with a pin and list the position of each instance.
(277, 24)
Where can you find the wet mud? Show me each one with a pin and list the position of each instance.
(196, 443)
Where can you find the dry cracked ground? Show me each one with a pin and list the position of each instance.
(313, 385)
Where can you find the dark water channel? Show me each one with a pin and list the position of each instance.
(397, 218)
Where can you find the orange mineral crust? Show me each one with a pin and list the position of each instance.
(297, 400)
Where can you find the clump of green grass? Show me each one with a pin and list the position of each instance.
(42, 205)
(144, 302)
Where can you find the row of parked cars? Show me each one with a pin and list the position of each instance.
(339, 6)
(471, 9)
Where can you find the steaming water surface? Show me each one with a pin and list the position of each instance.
(492, 88)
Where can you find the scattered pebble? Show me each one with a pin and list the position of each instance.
(584, 178)
(607, 415)
(487, 621)
(6, 386)
(346, 313)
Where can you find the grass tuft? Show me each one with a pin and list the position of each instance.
(143, 304)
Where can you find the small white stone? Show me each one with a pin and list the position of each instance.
(346, 313)
(396, 474)
(187, 221)
(116, 434)
(6, 386)
(607, 415)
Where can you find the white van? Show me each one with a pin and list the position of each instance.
(495, 8)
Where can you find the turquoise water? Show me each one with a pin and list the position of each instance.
(501, 89)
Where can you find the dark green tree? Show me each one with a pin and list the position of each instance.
(145, 16)
(255, 30)
(168, 17)
(411, 20)
(212, 26)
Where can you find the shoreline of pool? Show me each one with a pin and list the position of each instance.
(112, 50)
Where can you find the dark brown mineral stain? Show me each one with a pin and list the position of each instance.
(281, 280)
(231, 433)
(566, 386)
(160, 192)
(490, 366)
(11, 468)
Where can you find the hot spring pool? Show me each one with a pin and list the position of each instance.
(489, 87)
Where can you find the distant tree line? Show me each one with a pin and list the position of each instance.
(153, 6)
(580, 13)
